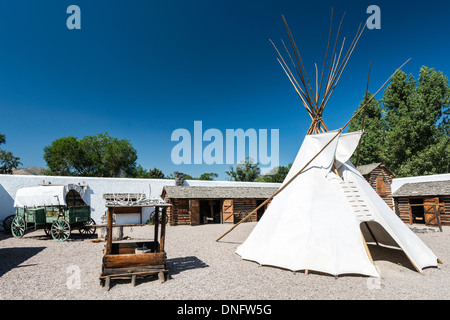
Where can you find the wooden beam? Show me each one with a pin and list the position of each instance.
(163, 230)
(155, 243)
(109, 223)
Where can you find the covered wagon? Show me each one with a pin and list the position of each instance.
(58, 209)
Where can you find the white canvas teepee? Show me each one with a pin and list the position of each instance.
(325, 212)
(319, 220)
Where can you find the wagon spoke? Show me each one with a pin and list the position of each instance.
(87, 228)
(18, 227)
(60, 230)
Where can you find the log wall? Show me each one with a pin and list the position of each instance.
(381, 180)
(403, 209)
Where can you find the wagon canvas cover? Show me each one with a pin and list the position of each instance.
(45, 195)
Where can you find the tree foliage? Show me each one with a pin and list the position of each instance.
(8, 161)
(100, 155)
(277, 174)
(154, 173)
(208, 176)
(246, 171)
(408, 130)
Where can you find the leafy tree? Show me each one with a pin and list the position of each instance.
(374, 128)
(154, 173)
(208, 176)
(277, 174)
(246, 171)
(92, 156)
(413, 129)
(8, 161)
(65, 157)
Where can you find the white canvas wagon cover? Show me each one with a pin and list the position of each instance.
(45, 195)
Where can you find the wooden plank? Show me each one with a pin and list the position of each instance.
(227, 211)
(132, 270)
(194, 212)
(133, 260)
(428, 206)
(129, 275)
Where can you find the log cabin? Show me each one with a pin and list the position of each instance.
(194, 205)
(424, 202)
(380, 178)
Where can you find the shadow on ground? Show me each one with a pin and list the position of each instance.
(13, 257)
(178, 265)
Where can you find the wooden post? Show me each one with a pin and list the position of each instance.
(163, 229)
(155, 248)
(436, 213)
(109, 229)
(367, 249)
(410, 212)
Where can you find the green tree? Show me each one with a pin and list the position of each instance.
(93, 156)
(8, 161)
(208, 176)
(154, 173)
(374, 130)
(246, 171)
(413, 134)
(417, 142)
(65, 157)
(277, 174)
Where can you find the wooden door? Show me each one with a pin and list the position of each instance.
(381, 185)
(194, 212)
(429, 206)
(227, 211)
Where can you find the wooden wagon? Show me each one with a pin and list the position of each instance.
(58, 209)
(132, 259)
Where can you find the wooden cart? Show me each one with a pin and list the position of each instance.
(131, 259)
(58, 209)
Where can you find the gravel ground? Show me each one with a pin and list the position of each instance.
(37, 267)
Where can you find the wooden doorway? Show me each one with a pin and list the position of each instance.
(417, 210)
(209, 211)
(261, 210)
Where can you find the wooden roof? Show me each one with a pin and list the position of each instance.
(429, 188)
(368, 168)
(200, 192)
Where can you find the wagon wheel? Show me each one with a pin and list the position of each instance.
(7, 222)
(60, 230)
(86, 229)
(18, 227)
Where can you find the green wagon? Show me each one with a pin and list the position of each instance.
(58, 209)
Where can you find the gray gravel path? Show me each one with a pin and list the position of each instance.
(36, 267)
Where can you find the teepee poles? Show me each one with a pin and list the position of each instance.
(317, 154)
(314, 102)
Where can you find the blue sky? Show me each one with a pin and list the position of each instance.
(141, 69)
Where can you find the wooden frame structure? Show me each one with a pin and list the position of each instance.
(130, 259)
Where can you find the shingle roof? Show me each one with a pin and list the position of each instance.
(429, 188)
(198, 192)
(367, 168)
